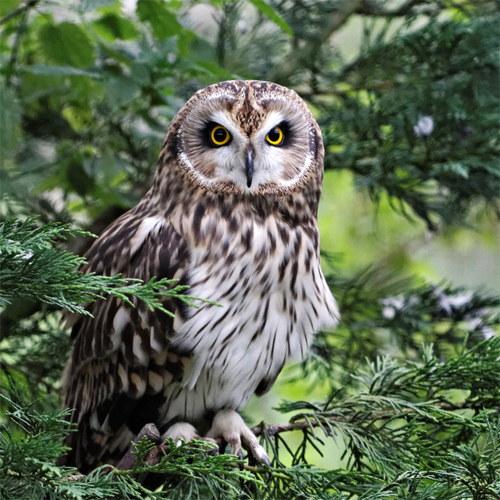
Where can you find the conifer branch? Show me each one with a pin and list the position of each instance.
(33, 268)
(308, 423)
(409, 111)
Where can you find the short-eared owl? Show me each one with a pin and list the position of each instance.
(232, 213)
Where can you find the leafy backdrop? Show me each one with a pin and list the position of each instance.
(400, 401)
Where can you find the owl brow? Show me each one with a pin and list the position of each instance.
(224, 101)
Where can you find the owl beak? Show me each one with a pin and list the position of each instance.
(249, 166)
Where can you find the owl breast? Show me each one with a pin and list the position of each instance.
(273, 298)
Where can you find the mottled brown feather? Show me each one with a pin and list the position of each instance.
(108, 380)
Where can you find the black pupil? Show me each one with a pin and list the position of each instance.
(274, 134)
(220, 135)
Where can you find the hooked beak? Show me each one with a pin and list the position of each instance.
(249, 166)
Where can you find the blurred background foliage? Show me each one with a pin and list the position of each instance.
(407, 96)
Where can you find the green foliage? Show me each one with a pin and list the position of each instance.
(36, 280)
(102, 85)
(66, 43)
(31, 268)
(195, 470)
(372, 123)
(398, 429)
(407, 96)
(402, 421)
(28, 451)
(163, 21)
(381, 314)
(457, 478)
(26, 463)
(268, 11)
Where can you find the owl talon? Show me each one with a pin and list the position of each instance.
(237, 451)
(229, 426)
(182, 431)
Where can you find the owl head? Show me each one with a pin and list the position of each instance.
(245, 137)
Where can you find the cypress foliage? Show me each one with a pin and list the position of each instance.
(409, 381)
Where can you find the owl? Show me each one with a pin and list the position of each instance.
(232, 213)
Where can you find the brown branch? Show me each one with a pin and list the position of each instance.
(16, 12)
(284, 70)
(155, 455)
(273, 429)
(377, 8)
(303, 56)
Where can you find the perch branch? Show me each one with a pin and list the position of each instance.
(273, 429)
(154, 456)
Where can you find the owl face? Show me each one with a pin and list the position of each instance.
(247, 137)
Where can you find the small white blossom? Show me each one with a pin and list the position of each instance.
(425, 126)
(461, 299)
(171, 58)
(488, 332)
(392, 305)
(449, 302)
(477, 323)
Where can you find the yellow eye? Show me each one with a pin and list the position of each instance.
(219, 136)
(275, 136)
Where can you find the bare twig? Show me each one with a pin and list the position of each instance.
(273, 429)
(376, 8)
(283, 71)
(16, 12)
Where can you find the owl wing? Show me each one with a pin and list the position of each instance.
(121, 363)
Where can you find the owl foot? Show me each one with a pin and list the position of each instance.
(229, 426)
(186, 432)
(181, 430)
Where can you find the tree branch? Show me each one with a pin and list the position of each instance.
(156, 453)
(284, 70)
(379, 9)
(16, 12)
(303, 56)
(273, 429)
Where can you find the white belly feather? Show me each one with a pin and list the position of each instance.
(262, 323)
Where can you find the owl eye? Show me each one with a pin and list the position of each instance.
(275, 136)
(219, 136)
